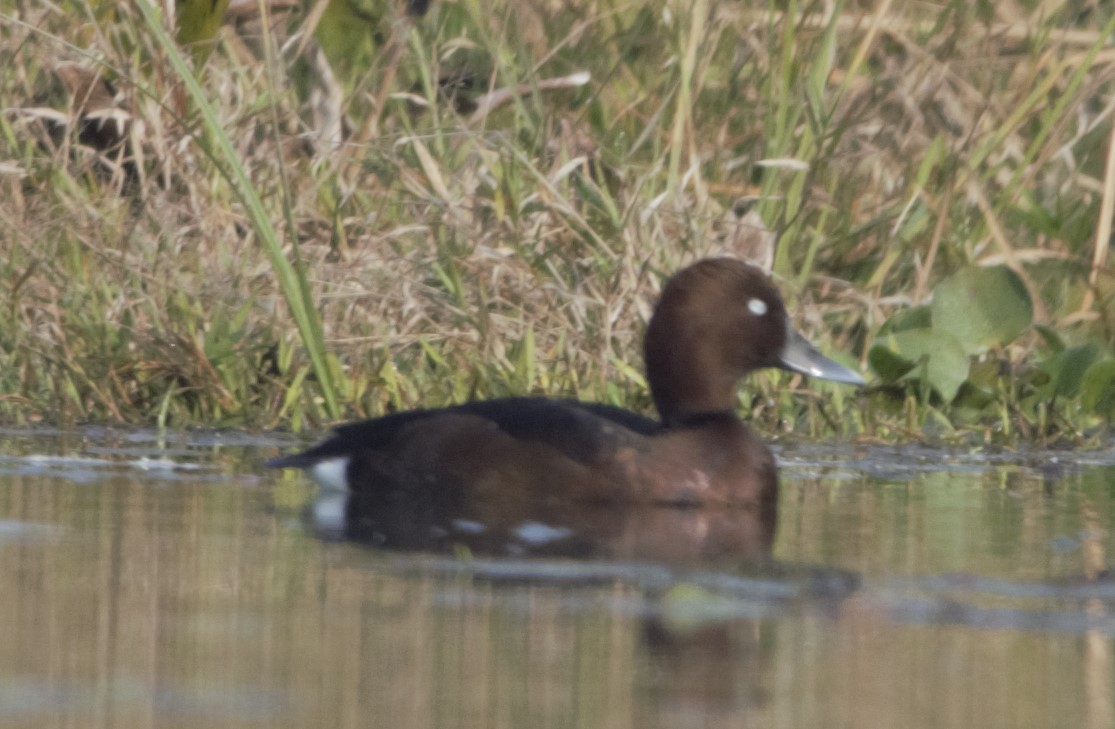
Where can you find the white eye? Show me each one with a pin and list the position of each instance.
(758, 307)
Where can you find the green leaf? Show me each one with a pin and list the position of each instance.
(931, 160)
(916, 317)
(820, 70)
(349, 33)
(929, 354)
(1051, 338)
(1097, 389)
(889, 366)
(199, 21)
(1066, 369)
(982, 307)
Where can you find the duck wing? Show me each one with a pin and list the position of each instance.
(576, 429)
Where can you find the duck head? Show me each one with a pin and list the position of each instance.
(715, 322)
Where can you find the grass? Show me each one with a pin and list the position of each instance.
(272, 250)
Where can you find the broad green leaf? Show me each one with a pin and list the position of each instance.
(982, 307)
(889, 366)
(916, 317)
(985, 373)
(198, 23)
(1051, 338)
(931, 354)
(349, 33)
(1066, 369)
(978, 391)
(1097, 390)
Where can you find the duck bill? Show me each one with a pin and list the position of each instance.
(800, 356)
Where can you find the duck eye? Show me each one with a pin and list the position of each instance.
(758, 307)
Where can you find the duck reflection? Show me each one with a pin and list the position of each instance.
(682, 537)
(701, 657)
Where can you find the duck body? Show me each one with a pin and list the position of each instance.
(716, 321)
(540, 448)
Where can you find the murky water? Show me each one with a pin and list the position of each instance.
(169, 582)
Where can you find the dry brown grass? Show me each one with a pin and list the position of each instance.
(453, 256)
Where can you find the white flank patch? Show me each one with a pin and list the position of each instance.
(467, 526)
(331, 474)
(329, 512)
(536, 533)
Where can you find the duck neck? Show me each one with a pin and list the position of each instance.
(688, 381)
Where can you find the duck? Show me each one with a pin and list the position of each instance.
(716, 321)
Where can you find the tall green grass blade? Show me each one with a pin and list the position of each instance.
(292, 279)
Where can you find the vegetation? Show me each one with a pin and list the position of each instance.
(336, 217)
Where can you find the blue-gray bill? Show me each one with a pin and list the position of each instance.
(800, 356)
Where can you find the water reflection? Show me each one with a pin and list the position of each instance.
(681, 537)
(196, 594)
(698, 649)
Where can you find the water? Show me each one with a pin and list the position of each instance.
(169, 582)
